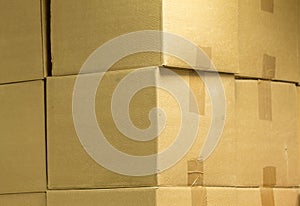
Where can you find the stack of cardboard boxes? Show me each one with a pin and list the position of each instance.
(22, 113)
(253, 44)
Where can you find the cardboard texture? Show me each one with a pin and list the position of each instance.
(255, 39)
(298, 103)
(22, 139)
(69, 165)
(250, 128)
(175, 196)
(78, 28)
(28, 199)
(22, 48)
(266, 124)
(267, 197)
(268, 39)
(298, 40)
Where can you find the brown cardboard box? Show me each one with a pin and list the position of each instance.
(266, 124)
(23, 43)
(78, 28)
(298, 103)
(28, 199)
(298, 39)
(259, 141)
(175, 196)
(268, 39)
(22, 139)
(70, 166)
(267, 196)
(252, 38)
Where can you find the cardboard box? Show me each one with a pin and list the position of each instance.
(268, 39)
(255, 39)
(267, 127)
(23, 40)
(22, 139)
(28, 199)
(176, 196)
(70, 166)
(79, 28)
(267, 196)
(243, 157)
(298, 103)
(298, 39)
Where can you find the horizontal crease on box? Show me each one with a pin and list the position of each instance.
(195, 172)
(197, 88)
(267, 5)
(269, 181)
(198, 196)
(269, 66)
(265, 100)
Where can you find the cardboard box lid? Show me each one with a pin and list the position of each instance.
(22, 140)
(30, 199)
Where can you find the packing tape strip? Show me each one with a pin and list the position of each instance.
(199, 196)
(269, 181)
(195, 173)
(198, 90)
(267, 197)
(269, 67)
(267, 5)
(264, 100)
(269, 176)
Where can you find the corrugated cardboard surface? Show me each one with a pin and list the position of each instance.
(267, 132)
(107, 197)
(21, 43)
(268, 39)
(211, 25)
(22, 139)
(252, 38)
(259, 140)
(298, 95)
(267, 197)
(175, 196)
(216, 170)
(298, 40)
(78, 28)
(71, 167)
(28, 199)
